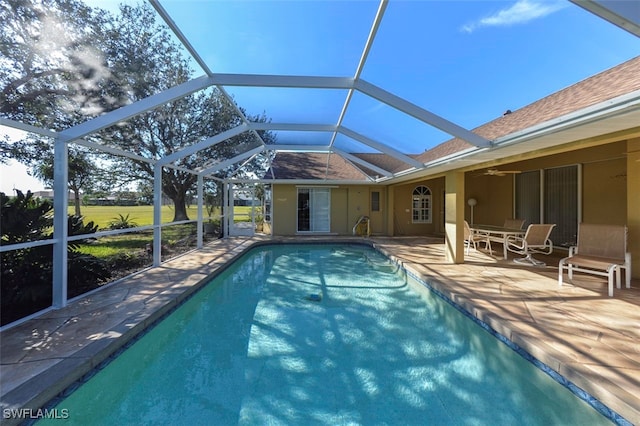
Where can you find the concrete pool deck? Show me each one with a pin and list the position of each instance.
(591, 339)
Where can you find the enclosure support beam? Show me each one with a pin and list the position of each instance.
(421, 114)
(131, 110)
(157, 215)
(226, 202)
(60, 222)
(200, 199)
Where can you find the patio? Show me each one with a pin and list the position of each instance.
(590, 338)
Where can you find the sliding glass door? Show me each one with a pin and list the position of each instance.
(528, 197)
(550, 196)
(561, 204)
(314, 209)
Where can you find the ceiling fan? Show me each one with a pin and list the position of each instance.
(496, 172)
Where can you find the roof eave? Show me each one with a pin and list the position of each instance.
(596, 120)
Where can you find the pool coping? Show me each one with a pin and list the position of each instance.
(36, 391)
(40, 388)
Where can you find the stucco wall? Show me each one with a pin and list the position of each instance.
(348, 203)
(494, 197)
(604, 198)
(283, 219)
(402, 209)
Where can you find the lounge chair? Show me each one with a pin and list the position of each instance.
(601, 250)
(535, 240)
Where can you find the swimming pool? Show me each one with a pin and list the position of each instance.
(320, 334)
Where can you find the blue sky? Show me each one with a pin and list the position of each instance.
(467, 61)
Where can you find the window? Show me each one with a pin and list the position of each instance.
(375, 201)
(313, 209)
(421, 210)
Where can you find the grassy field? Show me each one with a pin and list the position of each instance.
(117, 245)
(141, 215)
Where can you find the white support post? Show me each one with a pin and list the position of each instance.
(253, 212)
(60, 222)
(228, 203)
(157, 215)
(200, 202)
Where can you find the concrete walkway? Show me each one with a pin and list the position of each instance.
(591, 339)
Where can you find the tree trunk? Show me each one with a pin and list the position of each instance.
(76, 201)
(180, 207)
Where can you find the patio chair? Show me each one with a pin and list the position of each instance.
(508, 224)
(513, 223)
(601, 250)
(473, 238)
(535, 240)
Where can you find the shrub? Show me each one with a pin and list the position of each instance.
(122, 222)
(26, 274)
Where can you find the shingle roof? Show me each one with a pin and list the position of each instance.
(609, 84)
(313, 165)
(383, 161)
(614, 82)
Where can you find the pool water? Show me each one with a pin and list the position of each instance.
(321, 334)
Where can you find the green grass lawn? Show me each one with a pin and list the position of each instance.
(141, 215)
(135, 242)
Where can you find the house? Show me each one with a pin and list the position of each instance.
(571, 157)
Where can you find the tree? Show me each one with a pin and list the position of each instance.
(176, 125)
(52, 71)
(53, 75)
(81, 173)
(99, 63)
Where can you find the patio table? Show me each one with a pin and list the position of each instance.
(498, 233)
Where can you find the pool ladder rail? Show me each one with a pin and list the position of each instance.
(363, 222)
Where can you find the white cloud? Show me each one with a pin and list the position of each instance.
(520, 12)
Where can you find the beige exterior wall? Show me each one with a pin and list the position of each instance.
(284, 209)
(493, 195)
(403, 203)
(348, 203)
(605, 186)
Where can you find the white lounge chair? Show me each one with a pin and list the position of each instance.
(601, 250)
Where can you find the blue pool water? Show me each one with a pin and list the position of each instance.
(321, 334)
